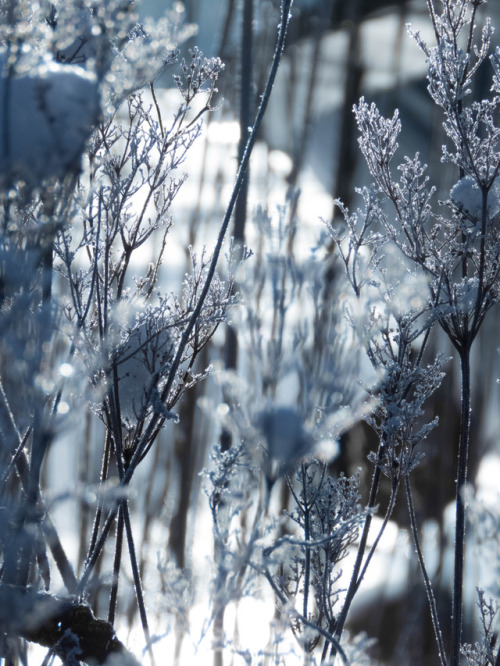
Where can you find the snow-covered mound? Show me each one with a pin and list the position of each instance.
(46, 116)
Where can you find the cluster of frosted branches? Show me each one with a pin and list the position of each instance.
(452, 247)
(81, 324)
(127, 331)
(328, 516)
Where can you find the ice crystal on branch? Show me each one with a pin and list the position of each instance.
(199, 76)
(434, 241)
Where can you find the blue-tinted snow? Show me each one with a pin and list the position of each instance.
(46, 115)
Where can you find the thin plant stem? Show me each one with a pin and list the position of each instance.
(307, 536)
(457, 610)
(428, 586)
(96, 551)
(388, 514)
(49, 530)
(353, 584)
(113, 596)
(137, 579)
(15, 457)
(245, 113)
(103, 477)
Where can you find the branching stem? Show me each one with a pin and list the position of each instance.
(285, 19)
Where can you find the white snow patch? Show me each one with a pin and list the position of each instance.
(46, 115)
(467, 196)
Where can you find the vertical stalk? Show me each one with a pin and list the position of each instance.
(345, 158)
(354, 582)
(457, 611)
(427, 581)
(240, 208)
(246, 114)
(307, 536)
(124, 511)
(113, 597)
(102, 479)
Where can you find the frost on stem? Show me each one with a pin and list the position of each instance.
(464, 238)
(199, 76)
(358, 242)
(398, 417)
(486, 650)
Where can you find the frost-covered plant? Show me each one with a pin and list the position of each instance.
(393, 326)
(296, 343)
(304, 571)
(454, 245)
(80, 328)
(303, 372)
(484, 652)
(274, 428)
